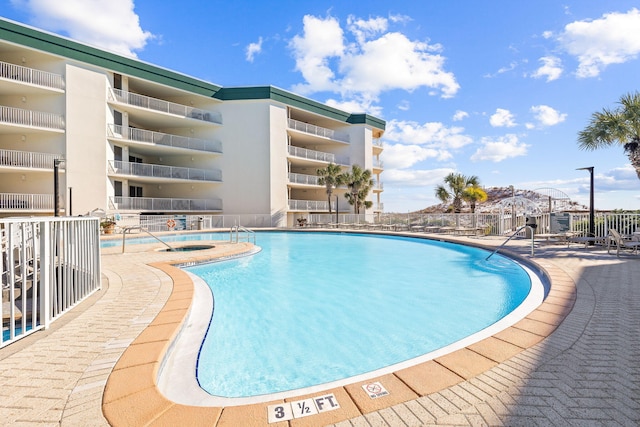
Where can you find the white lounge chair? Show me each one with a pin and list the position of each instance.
(621, 243)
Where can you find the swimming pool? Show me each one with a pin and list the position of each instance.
(298, 314)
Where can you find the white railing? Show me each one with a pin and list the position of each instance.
(29, 75)
(624, 223)
(299, 178)
(19, 116)
(49, 265)
(165, 204)
(377, 142)
(164, 106)
(26, 202)
(317, 155)
(27, 159)
(308, 205)
(378, 207)
(163, 171)
(177, 141)
(317, 130)
(377, 163)
(379, 186)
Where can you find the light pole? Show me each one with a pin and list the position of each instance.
(591, 211)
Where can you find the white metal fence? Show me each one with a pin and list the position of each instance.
(48, 266)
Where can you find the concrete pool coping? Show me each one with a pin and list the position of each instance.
(131, 396)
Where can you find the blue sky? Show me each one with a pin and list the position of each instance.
(498, 89)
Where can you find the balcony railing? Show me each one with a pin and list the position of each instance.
(19, 116)
(318, 155)
(177, 141)
(163, 171)
(377, 163)
(165, 106)
(29, 75)
(26, 202)
(377, 142)
(378, 186)
(27, 159)
(165, 204)
(308, 205)
(317, 130)
(299, 178)
(378, 207)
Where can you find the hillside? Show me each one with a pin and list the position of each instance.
(496, 194)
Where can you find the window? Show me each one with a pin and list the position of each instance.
(117, 153)
(135, 191)
(117, 188)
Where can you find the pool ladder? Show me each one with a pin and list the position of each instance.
(126, 230)
(234, 234)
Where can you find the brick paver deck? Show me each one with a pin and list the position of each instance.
(586, 372)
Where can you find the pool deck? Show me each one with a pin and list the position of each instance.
(573, 361)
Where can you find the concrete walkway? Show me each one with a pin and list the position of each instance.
(587, 372)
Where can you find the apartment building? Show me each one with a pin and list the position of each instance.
(103, 131)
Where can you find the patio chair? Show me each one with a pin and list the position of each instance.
(621, 243)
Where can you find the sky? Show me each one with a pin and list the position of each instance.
(497, 89)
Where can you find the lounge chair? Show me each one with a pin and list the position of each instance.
(621, 243)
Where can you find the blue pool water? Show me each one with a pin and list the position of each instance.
(312, 308)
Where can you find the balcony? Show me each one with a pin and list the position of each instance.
(31, 76)
(164, 172)
(298, 178)
(21, 117)
(378, 186)
(378, 207)
(26, 202)
(320, 156)
(27, 159)
(378, 164)
(164, 139)
(309, 205)
(165, 204)
(163, 106)
(318, 131)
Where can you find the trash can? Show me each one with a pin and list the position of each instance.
(200, 223)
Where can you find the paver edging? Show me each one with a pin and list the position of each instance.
(144, 404)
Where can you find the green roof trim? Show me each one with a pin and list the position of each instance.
(56, 45)
(289, 98)
(29, 37)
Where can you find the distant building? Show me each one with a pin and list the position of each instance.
(131, 137)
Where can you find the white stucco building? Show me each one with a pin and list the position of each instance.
(131, 137)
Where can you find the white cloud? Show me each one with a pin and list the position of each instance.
(460, 115)
(253, 49)
(417, 178)
(502, 118)
(322, 40)
(329, 61)
(433, 134)
(497, 150)
(612, 39)
(547, 116)
(404, 105)
(111, 25)
(399, 156)
(551, 68)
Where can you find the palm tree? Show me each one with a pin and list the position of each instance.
(620, 126)
(456, 183)
(360, 183)
(331, 177)
(474, 194)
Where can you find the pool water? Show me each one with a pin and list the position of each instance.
(312, 308)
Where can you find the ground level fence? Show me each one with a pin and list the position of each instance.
(48, 266)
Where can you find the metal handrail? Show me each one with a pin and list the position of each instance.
(236, 229)
(511, 237)
(125, 230)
